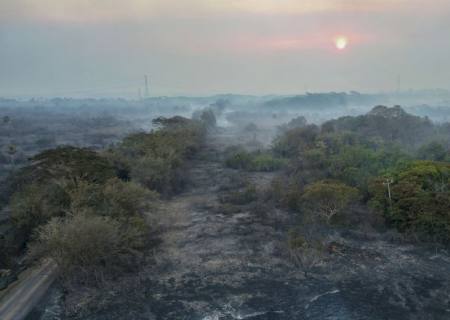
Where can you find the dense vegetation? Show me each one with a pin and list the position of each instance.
(369, 162)
(418, 199)
(91, 211)
(155, 159)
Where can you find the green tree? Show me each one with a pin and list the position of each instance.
(418, 199)
(295, 141)
(326, 199)
(36, 204)
(70, 164)
(434, 151)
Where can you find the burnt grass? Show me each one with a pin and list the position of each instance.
(213, 264)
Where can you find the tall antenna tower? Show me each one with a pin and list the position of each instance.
(146, 93)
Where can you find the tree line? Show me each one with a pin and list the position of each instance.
(91, 211)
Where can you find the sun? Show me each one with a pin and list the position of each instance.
(341, 42)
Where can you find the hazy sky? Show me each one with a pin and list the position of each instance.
(104, 47)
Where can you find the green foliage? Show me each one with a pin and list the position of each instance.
(391, 125)
(420, 199)
(86, 247)
(295, 141)
(71, 164)
(155, 159)
(253, 161)
(36, 204)
(83, 209)
(326, 199)
(356, 165)
(434, 151)
(116, 199)
(353, 151)
(341, 156)
(238, 158)
(160, 174)
(266, 162)
(65, 180)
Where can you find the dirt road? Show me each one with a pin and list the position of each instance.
(20, 299)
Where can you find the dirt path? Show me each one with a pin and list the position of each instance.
(209, 255)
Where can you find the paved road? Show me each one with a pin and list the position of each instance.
(21, 299)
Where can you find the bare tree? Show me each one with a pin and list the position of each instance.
(307, 249)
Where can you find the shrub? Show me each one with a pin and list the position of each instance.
(294, 141)
(160, 174)
(266, 162)
(116, 199)
(36, 204)
(86, 247)
(155, 159)
(253, 161)
(239, 159)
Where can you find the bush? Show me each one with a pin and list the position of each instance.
(253, 161)
(159, 174)
(238, 158)
(116, 199)
(87, 247)
(155, 159)
(292, 142)
(36, 204)
(266, 162)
